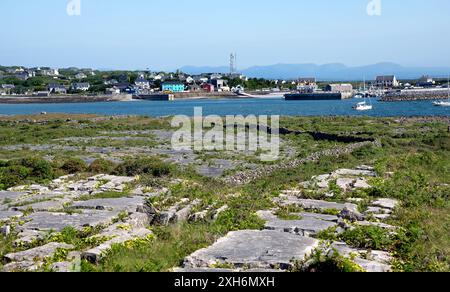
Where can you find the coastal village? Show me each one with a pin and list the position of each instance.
(124, 85)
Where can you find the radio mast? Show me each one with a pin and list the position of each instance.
(233, 67)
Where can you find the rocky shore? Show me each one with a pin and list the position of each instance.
(61, 99)
(415, 95)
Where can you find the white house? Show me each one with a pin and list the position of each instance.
(81, 86)
(142, 83)
(81, 75)
(50, 72)
(113, 91)
(387, 81)
(57, 88)
(111, 82)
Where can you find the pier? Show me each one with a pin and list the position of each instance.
(314, 96)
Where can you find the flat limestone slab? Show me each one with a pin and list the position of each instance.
(316, 204)
(43, 206)
(7, 215)
(371, 261)
(386, 203)
(119, 204)
(324, 217)
(38, 253)
(58, 221)
(307, 226)
(254, 249)
(7, 195)
(94, 255)
(355, 172)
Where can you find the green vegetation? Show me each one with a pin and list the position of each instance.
(288, 213)
(372, 237)
(73, 166)
(171, 244)
(414, 161)
(105, 195)
(101, 166)
(15, 172)
(330, 263)
(144, 166)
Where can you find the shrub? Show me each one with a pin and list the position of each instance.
(73, 166)
(20, 171)
(101, 166)
(145, 166)
(40, 168)
(370, 237)
(330, 263)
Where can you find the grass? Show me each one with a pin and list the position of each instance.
(416, 152)
(170, 246)
(6, 247)
(288, 212)
(105, 195)
(330, 263)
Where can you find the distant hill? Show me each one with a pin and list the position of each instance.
(334, 71)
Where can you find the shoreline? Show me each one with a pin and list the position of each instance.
(21, 99)
(61, 99)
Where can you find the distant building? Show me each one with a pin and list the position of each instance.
(426, 81)
(8, 86)
(200, 79)
(41, 93)
(142, 83)
(238, 89)
(194, 87)
(123, 86)
(157, 77)
(50, 72)
(208, 87)
(215, 76)
(57, 88)
(339, 88)
(173, 86)
(84, 86)
(14, 70)
(307, 80)
(113, 91)
(22, 76)
(307, 85)
(387, 81)
(220, 85)
(306, 88)
(190, 80)
(111, 82)
(81, 75)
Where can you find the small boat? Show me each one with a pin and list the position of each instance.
(363, 106)
(443, 103)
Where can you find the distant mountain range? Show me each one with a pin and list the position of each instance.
(327, 72)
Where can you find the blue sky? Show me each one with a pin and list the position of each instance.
(167, 34)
